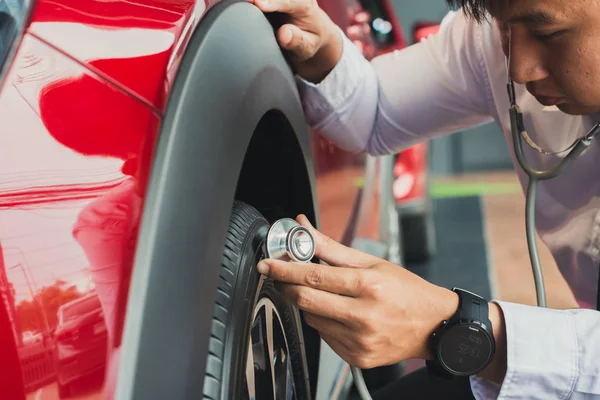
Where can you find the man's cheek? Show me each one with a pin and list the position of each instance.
(581, 71)
(590, 85)
(585, 88)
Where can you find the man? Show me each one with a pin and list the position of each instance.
(373, 313)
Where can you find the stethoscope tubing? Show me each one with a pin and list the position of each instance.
(535, 175)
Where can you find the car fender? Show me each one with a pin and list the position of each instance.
(232, 73)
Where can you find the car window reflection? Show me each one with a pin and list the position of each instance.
(78, 308)
(12, 17)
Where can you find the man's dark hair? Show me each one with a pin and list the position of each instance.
(473, 8)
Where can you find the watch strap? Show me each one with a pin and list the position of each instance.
(471, 307)
(435, 370)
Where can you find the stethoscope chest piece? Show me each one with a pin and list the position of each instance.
(288, 240)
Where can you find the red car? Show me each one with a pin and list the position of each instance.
(146, 146)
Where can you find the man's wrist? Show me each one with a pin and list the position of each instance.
(446, 306)
(448, 302)
(496, 370)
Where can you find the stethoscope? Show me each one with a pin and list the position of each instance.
(519, 133)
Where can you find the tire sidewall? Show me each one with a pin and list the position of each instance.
(250, 287)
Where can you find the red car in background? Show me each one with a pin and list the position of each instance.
(145, 148)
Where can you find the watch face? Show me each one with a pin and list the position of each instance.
(465, 349)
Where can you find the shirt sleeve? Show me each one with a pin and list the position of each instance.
(551, 354)
(398, 99)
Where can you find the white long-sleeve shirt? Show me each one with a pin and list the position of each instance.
(452, 81)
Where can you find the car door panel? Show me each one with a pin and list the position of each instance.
(64, 179)
(138, 45)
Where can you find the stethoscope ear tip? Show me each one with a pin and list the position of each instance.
(510, 88)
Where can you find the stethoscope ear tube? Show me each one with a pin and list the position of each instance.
(518, 135)
(518, 132)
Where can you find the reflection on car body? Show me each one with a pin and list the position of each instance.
(81, 341)
(82, 114)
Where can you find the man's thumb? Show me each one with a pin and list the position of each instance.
(320, 238)
(305, 222)
(302, 44)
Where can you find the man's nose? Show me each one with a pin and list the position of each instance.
(526, 61)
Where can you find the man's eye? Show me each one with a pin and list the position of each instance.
(548, 36)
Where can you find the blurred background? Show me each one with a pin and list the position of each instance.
(469, 151)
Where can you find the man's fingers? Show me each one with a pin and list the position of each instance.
(299, 36)
(302, 44)
(343, 281)
(292, 7)
(346, 351)
(334, 253)
(338, 346)
(326, 326)
(318, 302)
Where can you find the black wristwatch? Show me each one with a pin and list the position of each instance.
(463, 345)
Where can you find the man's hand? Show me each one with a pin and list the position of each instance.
(311, 39)
(370, 311)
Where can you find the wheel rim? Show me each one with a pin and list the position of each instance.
(269, 373)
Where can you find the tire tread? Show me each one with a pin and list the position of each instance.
(243, 217)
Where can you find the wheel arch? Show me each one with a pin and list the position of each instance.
(232, 79)
(275, 180)
(274, 177)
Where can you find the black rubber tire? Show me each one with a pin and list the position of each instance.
(240, 288)
(418, 237)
